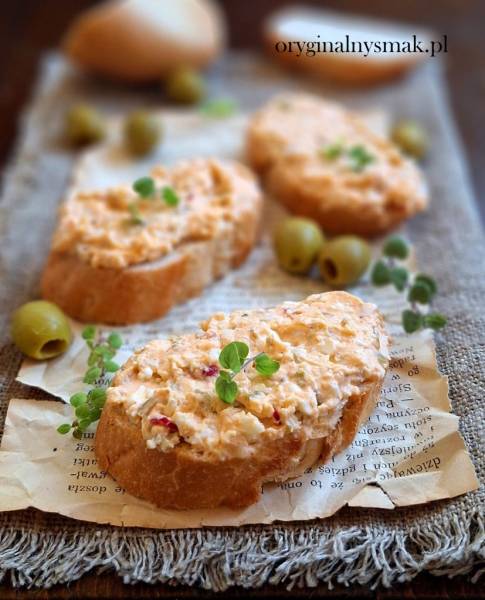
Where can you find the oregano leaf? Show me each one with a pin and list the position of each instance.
(381, 274)
(144, 187)
(266, 365)
(411, 321)
(396, 247)
(233, 356)
(226, 389)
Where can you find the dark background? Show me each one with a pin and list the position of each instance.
(30, 27)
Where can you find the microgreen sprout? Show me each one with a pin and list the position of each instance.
(420, 289)
(219, 108)
(234, 357)
(358, 156)
(88, 405)
(146, 189)
(332, 151)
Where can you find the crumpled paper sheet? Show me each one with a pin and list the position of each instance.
(408, 452)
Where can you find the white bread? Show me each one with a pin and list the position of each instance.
(306, 24)
(286, 143)
(166, 437)
(142, 40)
(116, 273)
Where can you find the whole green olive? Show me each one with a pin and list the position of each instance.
(411, 138)
(142, 132)
(344, 260)
(84, 125)
(40, 330)
(185, 86)
(297, 242)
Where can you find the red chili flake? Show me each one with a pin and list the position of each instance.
(165, 421)
(210, 371)
(276, 416)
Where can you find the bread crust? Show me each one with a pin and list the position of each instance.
(180, 480)
(283, 146)
(145, 291)
(182, 477)
(356, 215)
(115, 40)
(148, 291)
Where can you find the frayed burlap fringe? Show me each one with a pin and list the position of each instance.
(218, 559)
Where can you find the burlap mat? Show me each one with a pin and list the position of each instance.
(365, 546)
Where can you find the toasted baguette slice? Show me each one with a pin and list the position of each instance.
(167, 437)
(323, 32)
(142, 40)
(105, 268)
(323, 162)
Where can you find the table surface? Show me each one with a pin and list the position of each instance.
(30, 27)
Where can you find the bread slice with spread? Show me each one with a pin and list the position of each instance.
(166, 436)
(323, 162)
(120, 258)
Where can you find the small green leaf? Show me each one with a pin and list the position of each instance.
(144, 187)
(82, 411)
(396, 247)
(435, 321)
(359, 158)
(419, 292)
(64, 428)
(77, 433)
(381, 274)
(266, 365)
(136, 218)
(110, 366)
(89, 332)
(331, 152)
(92, 374)
(84, 424)
(97, 397)
(226, 389)
(233, 355)
(78, 399)
(114, 340)
(219, 109)
(411, 321)
(399, 278)
(170, 196)
(92, 358)
(429, 281)
(94, 414)
(104, 351)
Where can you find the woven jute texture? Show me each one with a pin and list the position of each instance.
(365, 546)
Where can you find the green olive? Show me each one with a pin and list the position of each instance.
(411, 138)
(185, 86)
(40, 329)
(84, 125)
(142, 132)
(297, 242)
(344, 260)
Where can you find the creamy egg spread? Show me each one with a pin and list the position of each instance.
(314, 140)
(212, 194)
(327, 347)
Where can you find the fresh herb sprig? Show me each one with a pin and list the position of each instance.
(359, 157)
(234, 357)
(146, 189)
(420, 289)
(219, 108)
(88, 406)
